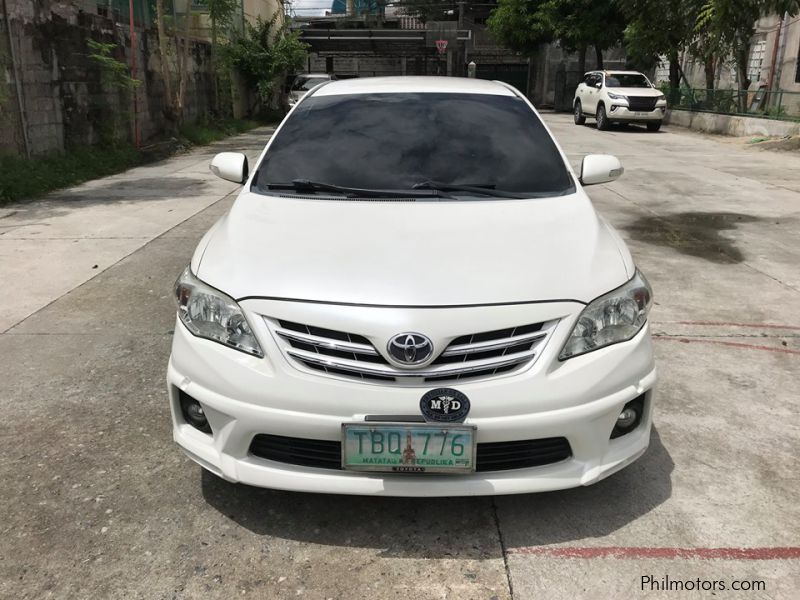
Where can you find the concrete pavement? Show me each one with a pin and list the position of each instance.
(100, 222)
(98, 502)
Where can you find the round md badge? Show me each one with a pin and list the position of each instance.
(444, 405)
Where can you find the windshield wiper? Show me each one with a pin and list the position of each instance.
(483, 189)
(306, 185)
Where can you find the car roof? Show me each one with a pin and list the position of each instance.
(413, 84)
(614, 72)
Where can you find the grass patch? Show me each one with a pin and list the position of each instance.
(21, 177)
(26, 178)
(202, 133)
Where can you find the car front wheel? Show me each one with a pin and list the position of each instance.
(654, 126)
(579, 118)
(602, 119)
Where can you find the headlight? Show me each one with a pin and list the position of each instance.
(614, 96)
(210, 314)
(660, 97)
(614, 317)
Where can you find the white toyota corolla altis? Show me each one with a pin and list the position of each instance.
(412, 296)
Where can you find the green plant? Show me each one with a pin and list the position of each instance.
(173, 50)
(221, 14)
(5, 94)
(25, 177)
(264, 58)
(30, 177)
(205, 132)
(114, 74)
(775, 112)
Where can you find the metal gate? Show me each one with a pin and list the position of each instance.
(566, 82)
(516, 75)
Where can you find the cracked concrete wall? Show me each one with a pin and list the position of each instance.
(65, 100)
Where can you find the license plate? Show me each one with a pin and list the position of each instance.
(405, 448)
(640, 114)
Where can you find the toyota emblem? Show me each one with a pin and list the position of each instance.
(410, 348)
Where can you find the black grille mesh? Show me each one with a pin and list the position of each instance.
(493, 456)
(641, 103)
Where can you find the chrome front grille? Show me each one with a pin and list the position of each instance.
(470, 356)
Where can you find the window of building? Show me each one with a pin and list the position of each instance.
(797, 72)
(662, 70)
(756, 60)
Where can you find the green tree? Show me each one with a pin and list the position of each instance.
(577, 24)
(524, 25)
(732, 23)
(114, 74)
(265, 58)
(782, 6)
(659, 28)
(429, 10)
(220, 13)
(173, 50)
(521, 25)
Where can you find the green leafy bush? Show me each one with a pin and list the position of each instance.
(25, 178)
(22, 177)
(264, 57)
(205, 132)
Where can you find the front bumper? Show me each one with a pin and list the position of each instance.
(243, 396)
(625, 114)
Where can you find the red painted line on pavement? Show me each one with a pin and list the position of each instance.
(629, 552)
(721, 343)
(725, 324)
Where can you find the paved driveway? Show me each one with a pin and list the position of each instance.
(96, 501)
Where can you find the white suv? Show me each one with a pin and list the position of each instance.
(619, 97)
(412, 296)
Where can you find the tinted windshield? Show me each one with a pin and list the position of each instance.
(629, 81)
(394, 141)
(307, 83)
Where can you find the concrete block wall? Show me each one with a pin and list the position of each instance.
(65, 101)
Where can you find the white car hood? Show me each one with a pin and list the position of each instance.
(635, 91)
(413, 253)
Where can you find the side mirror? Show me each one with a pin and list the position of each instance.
(231, 166)
(598, 85)
(600, 168)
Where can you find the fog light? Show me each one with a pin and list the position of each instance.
(626, 418)
(193, 413)
(629, 418)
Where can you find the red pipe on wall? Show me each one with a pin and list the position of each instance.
(136, 139)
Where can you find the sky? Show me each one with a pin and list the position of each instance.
(309, 8)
